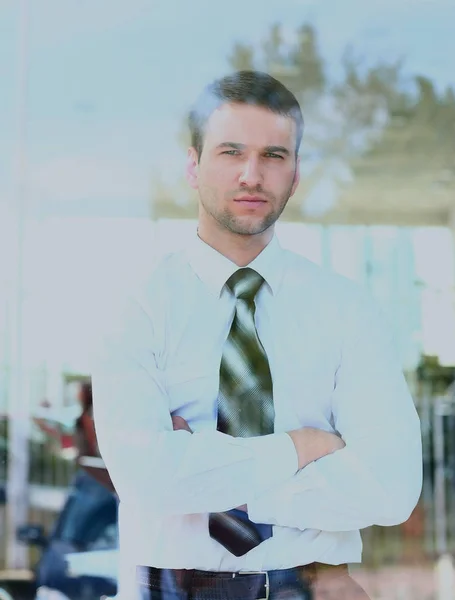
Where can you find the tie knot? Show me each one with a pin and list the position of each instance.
(245, 284)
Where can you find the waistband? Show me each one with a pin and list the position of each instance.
(229, 584)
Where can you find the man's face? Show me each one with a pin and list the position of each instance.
(247, 170)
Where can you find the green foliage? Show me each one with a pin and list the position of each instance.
(424, 117)
(405, 126)
(241, 58)
(435, 375)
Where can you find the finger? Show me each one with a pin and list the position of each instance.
(180, 424)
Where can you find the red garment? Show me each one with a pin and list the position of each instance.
(88, 429)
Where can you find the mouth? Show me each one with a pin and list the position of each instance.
(250, 201)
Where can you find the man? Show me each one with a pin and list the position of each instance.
(249, 405)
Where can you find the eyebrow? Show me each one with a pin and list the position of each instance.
(280, 149)
(237, 146)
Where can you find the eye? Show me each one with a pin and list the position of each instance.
(273, 155)
(231, 152)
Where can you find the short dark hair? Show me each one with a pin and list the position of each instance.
(243, 87)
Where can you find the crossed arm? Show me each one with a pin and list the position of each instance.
(369, 474)
(310, 444)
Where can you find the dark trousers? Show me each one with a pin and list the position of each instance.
(312, 582)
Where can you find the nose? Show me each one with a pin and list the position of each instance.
(251, 175)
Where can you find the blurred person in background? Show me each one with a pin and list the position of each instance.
(92, 485)
(85, 439)
(88, 519)
(84, 428)
(82, 438)
(249, 405)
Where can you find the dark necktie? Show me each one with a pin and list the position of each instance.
(245, 403)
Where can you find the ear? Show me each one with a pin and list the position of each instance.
(192, 168)
(296, 176)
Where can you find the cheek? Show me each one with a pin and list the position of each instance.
(279, 180)
(288, 178)
(219, 177)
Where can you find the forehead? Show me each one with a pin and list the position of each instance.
(249, 125)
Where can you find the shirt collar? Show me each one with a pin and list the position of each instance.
(214, 269)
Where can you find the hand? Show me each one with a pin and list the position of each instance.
(312, 444)
(179, 424)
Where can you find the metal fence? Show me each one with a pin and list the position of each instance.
(430, 531)
(50, 474)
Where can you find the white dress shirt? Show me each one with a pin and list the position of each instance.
(334, 367)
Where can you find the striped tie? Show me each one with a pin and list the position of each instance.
(245, 403)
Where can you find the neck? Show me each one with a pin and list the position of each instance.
(239, 249)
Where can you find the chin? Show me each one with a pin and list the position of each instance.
(251, 228)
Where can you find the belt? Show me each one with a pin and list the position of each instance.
(239, 585)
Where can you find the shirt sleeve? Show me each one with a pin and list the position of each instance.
(174, 472)
(376, 479)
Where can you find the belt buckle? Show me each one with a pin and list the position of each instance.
(267, 581)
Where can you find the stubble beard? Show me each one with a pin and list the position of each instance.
(245, 226)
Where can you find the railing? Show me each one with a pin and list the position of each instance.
(50, 475)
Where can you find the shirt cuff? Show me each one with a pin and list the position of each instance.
(276, 460)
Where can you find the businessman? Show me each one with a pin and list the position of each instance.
(249, 404)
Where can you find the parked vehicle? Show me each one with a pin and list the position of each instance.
(87, 524)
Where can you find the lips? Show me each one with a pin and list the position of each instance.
(250, 199)
(250, 203)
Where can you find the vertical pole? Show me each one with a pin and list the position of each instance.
(444, 566)
(428, 488)
(440, 487)
(18, 399)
